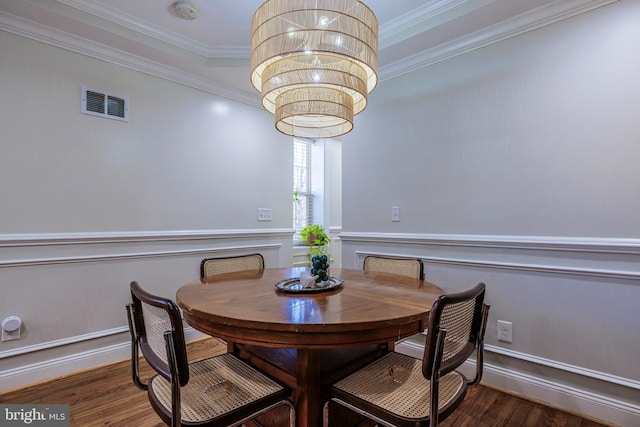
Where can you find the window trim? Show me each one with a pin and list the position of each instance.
(307, 193)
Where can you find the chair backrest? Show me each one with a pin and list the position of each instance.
(461, 316)
(153, 318)
(410, 267)
(214, 266)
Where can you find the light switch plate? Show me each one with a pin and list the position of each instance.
(264, 214)
(395, 214)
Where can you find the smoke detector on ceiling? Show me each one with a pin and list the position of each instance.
(185, 10)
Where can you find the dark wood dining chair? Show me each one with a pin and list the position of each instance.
(218, 391)
(410, 267)
(214, 266)
(399, 390)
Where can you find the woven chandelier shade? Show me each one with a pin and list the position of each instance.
(314, 63)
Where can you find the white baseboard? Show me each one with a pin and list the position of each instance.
(546, 390)
(52, 368)
(570, 398)
(543, 389)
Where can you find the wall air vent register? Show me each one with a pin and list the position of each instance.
(104, 104)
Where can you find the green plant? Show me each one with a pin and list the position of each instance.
(314, 235)
(318, 250)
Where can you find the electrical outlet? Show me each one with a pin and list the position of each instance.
(264, 214)
(505, 332)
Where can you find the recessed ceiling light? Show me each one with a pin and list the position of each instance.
(185, 10)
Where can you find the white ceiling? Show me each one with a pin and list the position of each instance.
(212, 51)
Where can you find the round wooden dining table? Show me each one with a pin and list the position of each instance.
(308, 340)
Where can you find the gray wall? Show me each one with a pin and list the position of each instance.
(170, 167)
(89, 204)
(537, 135)
(517, 165)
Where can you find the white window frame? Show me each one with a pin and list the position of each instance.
(304, 196)
(326, 193)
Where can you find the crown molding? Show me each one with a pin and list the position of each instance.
(398, 29)
(408, 25)
(58, 38)
(425, 17)
(115, 16)
(523, 23)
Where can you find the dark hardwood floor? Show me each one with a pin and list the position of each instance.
(106, 396)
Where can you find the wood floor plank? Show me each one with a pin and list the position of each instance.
(106, 396)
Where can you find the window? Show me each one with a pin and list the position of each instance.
(302, 188)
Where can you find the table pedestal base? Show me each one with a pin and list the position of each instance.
(308, 372)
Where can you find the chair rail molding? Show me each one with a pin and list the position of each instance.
(130, 255)
(42, 249)
(540, 268)
(548, 243)
(38, 239)
(620, 257)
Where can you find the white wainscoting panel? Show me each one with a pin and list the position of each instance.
(567, 299)
(70, 290)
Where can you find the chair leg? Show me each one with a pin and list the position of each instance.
(480, 348)
(176, 414)
(371, 417)
(325, 414)
(435, 378)
(135, 371)
(292, 414)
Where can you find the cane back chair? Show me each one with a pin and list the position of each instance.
(218, 391)
(399, 390)
(214, 266)
(410, 267)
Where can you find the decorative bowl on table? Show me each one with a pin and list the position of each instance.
(294, 285)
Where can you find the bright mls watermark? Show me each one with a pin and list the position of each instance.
(34, 415)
